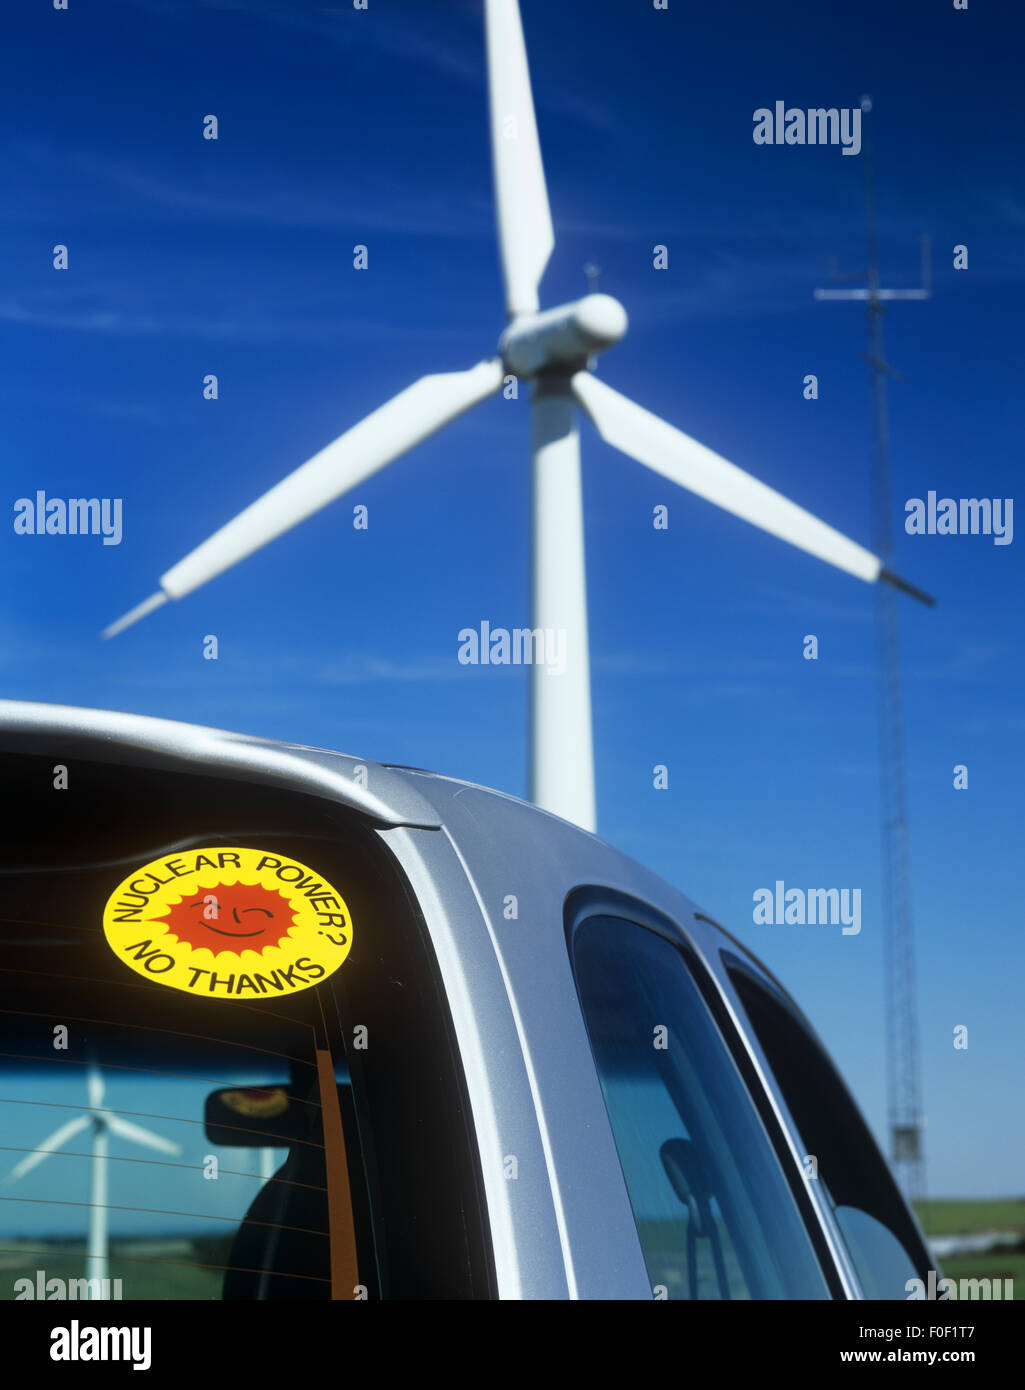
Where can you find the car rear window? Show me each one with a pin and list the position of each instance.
(268, 1141)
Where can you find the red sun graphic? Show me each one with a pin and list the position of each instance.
(230, 917)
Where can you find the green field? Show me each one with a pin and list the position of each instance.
(174, 1269)
(964, 1216)
(960, 1216)
(663, 1242)
(150, 1269)
(995, 1266)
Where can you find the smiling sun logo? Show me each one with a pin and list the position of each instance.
(231, 917)
(229, 922)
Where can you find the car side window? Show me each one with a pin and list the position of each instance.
(714, 1213)
(880, 1236)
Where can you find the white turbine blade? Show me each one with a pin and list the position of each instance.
(94, 1085)
(47, 1147)
(139, 611)
(649, 440)
(138, 1135)
(525, 233)
(393, 429)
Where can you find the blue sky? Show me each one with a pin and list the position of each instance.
(167, 1194)
(234, 257)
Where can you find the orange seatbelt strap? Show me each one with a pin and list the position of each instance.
(341, 1227)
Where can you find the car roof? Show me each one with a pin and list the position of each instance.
(389, 794)
(468, 854)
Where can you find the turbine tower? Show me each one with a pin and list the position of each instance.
(103, 1123)
(903, 1066)
(553, 349)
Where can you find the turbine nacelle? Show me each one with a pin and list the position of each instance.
(562, 339)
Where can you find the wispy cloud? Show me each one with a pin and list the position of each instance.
(723, 284)
(105, 408)
(643, 664)
(32, 312)
(448, 40)
(1007, 207)
(115, 310)
(372, 199)
(379, 203)
(367, 669)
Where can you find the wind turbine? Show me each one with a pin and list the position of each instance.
(103, 1123)
(553, 348)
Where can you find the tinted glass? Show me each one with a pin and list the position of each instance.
(714, 1213)
(872, 1216)
(344, 1095)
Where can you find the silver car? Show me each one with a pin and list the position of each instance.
(416, 1040)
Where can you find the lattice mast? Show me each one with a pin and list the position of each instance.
(904, 1094)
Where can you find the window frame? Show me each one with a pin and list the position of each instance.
(738, 961)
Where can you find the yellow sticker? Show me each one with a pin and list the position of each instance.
(229, 923)
(257, 1104)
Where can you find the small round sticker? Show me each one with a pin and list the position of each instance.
(257, 1104)
(229, 923)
